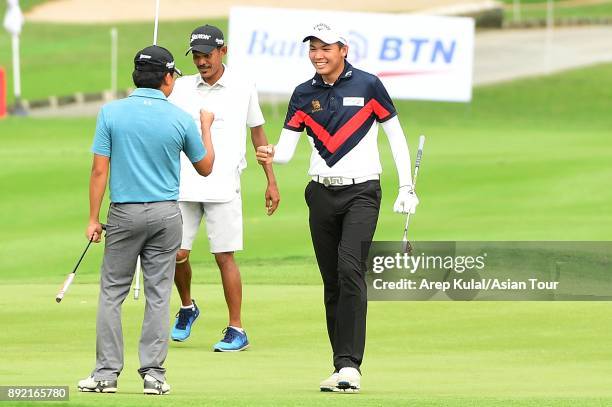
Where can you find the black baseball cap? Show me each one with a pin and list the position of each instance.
(205, 38)
(155, 59)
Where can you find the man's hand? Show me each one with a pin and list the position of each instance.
(94, 229)
(206, 118)
(406, 201)
(272, 198)
(265, 154)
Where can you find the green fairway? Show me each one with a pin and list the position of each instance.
(528, 160)
(510, 166)
(432, 354)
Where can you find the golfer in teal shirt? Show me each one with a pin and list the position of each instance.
(139, 139)
(148, 134)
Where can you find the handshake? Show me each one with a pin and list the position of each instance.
(265, 154)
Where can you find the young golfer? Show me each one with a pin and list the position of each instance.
(340, 108)
(233, 99)
(140, 139)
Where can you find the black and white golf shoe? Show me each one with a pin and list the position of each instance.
(155, 387)
(97, 386)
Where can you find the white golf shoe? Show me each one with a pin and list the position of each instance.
(98, 386)
(349, 380)
(330, 383)
(154, 386)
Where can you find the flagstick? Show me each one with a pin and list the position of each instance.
(156, 22)
(114, 37)
(138, 266)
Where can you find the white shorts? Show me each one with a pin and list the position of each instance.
(223, 224)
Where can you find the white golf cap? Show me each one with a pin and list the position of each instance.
(326, 34)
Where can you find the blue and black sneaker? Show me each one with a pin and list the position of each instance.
(183, 323)
(233, 341)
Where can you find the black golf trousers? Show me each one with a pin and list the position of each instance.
(342, 224)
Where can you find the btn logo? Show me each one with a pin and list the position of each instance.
(316, 106)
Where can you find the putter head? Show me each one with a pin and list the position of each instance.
(407, 247)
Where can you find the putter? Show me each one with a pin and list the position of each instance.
(70, 278)
(406, 244)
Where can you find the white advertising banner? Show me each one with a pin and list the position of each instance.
(415, 56)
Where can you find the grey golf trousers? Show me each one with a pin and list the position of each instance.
(153, 231)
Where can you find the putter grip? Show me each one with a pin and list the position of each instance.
(64, 288)
(420, 151)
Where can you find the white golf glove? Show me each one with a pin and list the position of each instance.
(406, 201)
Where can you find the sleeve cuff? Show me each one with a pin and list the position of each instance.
(256, 124)
(198, 157)
(103, 153)
(389, 117)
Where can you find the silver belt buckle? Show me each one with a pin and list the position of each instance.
(327, 181)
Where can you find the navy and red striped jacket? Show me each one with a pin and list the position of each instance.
(338, 116)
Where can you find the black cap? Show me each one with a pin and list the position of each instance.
(205, 38)
(155, 59)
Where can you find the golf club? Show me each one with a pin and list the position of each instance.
(70, 278)
(407, 246)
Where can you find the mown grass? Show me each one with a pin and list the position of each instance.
(527, 160)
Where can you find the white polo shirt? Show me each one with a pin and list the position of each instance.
(235, 104)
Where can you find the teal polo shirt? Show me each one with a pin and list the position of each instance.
(144, 135)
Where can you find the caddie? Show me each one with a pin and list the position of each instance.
(234, 101)
(340, 108)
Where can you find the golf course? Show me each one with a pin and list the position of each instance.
(525, 160)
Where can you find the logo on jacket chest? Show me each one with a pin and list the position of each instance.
(316, 106)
